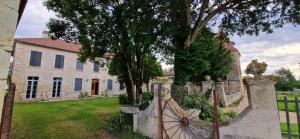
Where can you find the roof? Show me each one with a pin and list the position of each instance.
(230, 46)
(21, 9)
(49, 43)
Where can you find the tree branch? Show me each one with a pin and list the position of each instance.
(200, 24)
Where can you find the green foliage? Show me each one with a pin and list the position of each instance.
(119, 123)
(195, 101)
(125, 30)
(152, 69)
(285, 80)
(237, 102)
(178, 92)
(199, 102)
(225, 116)
(147, 97)
(123, 99)
(206, 56)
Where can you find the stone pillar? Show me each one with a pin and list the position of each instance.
(8, 22)
(221, 93)
(262, 94)
(261, 121)
(206, 85)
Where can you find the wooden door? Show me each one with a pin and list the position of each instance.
(95, 87)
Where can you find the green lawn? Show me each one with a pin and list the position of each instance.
(294, 128)
(76, 119)
(291, 96)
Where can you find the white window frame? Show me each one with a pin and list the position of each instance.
(31, 86)
(56, 80)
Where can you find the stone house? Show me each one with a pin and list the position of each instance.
(46, 69)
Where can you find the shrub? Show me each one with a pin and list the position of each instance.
(201, 103)
(225, 116)
(122, 124)
(119, 123)
(123, 100)
(147, 97)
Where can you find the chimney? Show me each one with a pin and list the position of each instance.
(45, 34)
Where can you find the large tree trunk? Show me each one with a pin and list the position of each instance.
(140, 69)
(129, 81)
(182, 21)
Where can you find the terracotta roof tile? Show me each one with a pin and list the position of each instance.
(230, 46)
(49, 43)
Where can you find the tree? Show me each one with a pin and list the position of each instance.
(152, 69)
(285, 80)
(151, 66)
(207, 56)
(188, 18)
(127, 29)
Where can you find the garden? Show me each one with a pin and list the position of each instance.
(75, 119)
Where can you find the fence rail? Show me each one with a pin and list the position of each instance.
(288, 103)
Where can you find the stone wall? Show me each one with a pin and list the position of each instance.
(8, 22)
(46, 72)
(260, 120)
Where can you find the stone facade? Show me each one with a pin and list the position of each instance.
(234, 82)
(46, 72)
(9, 15)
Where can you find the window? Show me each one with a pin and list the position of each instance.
(56, 87)
(78, 84)
(109, 84)
(35, 58)
(32, 83)
(96, 67)
(59, 61)
(79, 65)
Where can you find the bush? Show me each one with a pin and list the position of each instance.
(225, 116)
(119, 123)
(123, 100)
(147, 97)
(122, 124)
(201, 103)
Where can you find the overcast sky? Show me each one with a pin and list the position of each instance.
(279, 49)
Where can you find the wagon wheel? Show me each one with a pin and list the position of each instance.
(177, 123)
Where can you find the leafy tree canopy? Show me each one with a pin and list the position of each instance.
(186, 19)
(285, 80)
(207, 56)
(152, 69)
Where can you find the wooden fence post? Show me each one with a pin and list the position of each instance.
(216, 116)
(7, 112)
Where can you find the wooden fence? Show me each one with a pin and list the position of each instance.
(290, 104)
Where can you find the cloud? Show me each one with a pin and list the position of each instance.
(280, 49)
(34, 20)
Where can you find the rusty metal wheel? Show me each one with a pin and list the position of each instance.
(180, 124)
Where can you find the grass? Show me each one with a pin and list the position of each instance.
(76, 119)
(237, 102)
(294, 129)
(290, 96)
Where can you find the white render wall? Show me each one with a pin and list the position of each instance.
(8, 22)
(46, 72)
